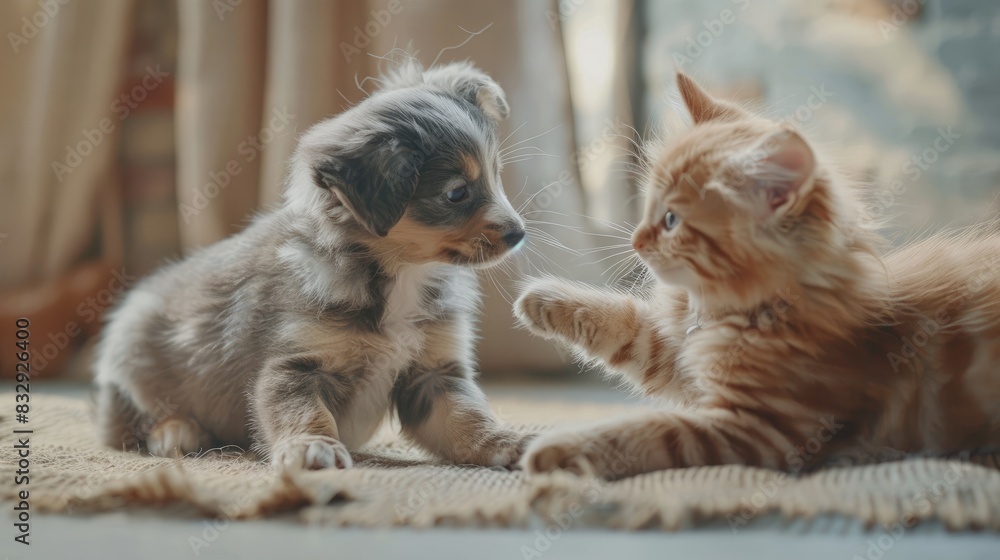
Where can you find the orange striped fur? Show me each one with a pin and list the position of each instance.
(808, 340)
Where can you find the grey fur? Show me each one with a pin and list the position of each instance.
(303, 329)
(418, 387)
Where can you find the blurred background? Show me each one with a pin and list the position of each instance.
(133, 132)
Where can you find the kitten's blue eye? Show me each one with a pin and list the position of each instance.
(457, 195)
(671, 220)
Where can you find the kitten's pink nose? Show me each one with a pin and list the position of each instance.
(639, 240)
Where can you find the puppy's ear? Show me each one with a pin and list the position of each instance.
(473, 85)
(487, 95)
(374, 180)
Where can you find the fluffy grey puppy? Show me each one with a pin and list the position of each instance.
(354, 298)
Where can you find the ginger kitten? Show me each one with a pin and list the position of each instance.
(777, 325)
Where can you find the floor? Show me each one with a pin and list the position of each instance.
(121, 536)
(147, 535)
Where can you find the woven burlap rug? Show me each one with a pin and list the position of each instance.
(396, 485)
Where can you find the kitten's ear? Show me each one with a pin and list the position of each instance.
(702, 106)
(779, 172)
(374, 180)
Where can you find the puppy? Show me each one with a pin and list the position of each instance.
(354, 298)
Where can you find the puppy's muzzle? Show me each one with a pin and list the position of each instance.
(514, 237)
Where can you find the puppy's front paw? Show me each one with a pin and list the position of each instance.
(543, 309)
(500, 448)
(176, 437)
(507, 452)
(310, 453)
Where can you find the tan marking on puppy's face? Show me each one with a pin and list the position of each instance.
(470, 167)
(477, 241)
(458, 215)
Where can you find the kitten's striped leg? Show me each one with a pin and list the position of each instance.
(663, 440)
(610, 327)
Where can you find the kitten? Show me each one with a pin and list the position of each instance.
(778, 326)
(354, 298)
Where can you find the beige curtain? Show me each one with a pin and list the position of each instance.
(250, 77)
(59, 130)
(601, 49)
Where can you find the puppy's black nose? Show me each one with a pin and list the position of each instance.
(512, 238)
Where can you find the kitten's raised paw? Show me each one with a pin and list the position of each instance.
(310, 453)
(176, 437)
(542, 308)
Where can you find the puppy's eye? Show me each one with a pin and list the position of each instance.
(457, 195)
(671, 220)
